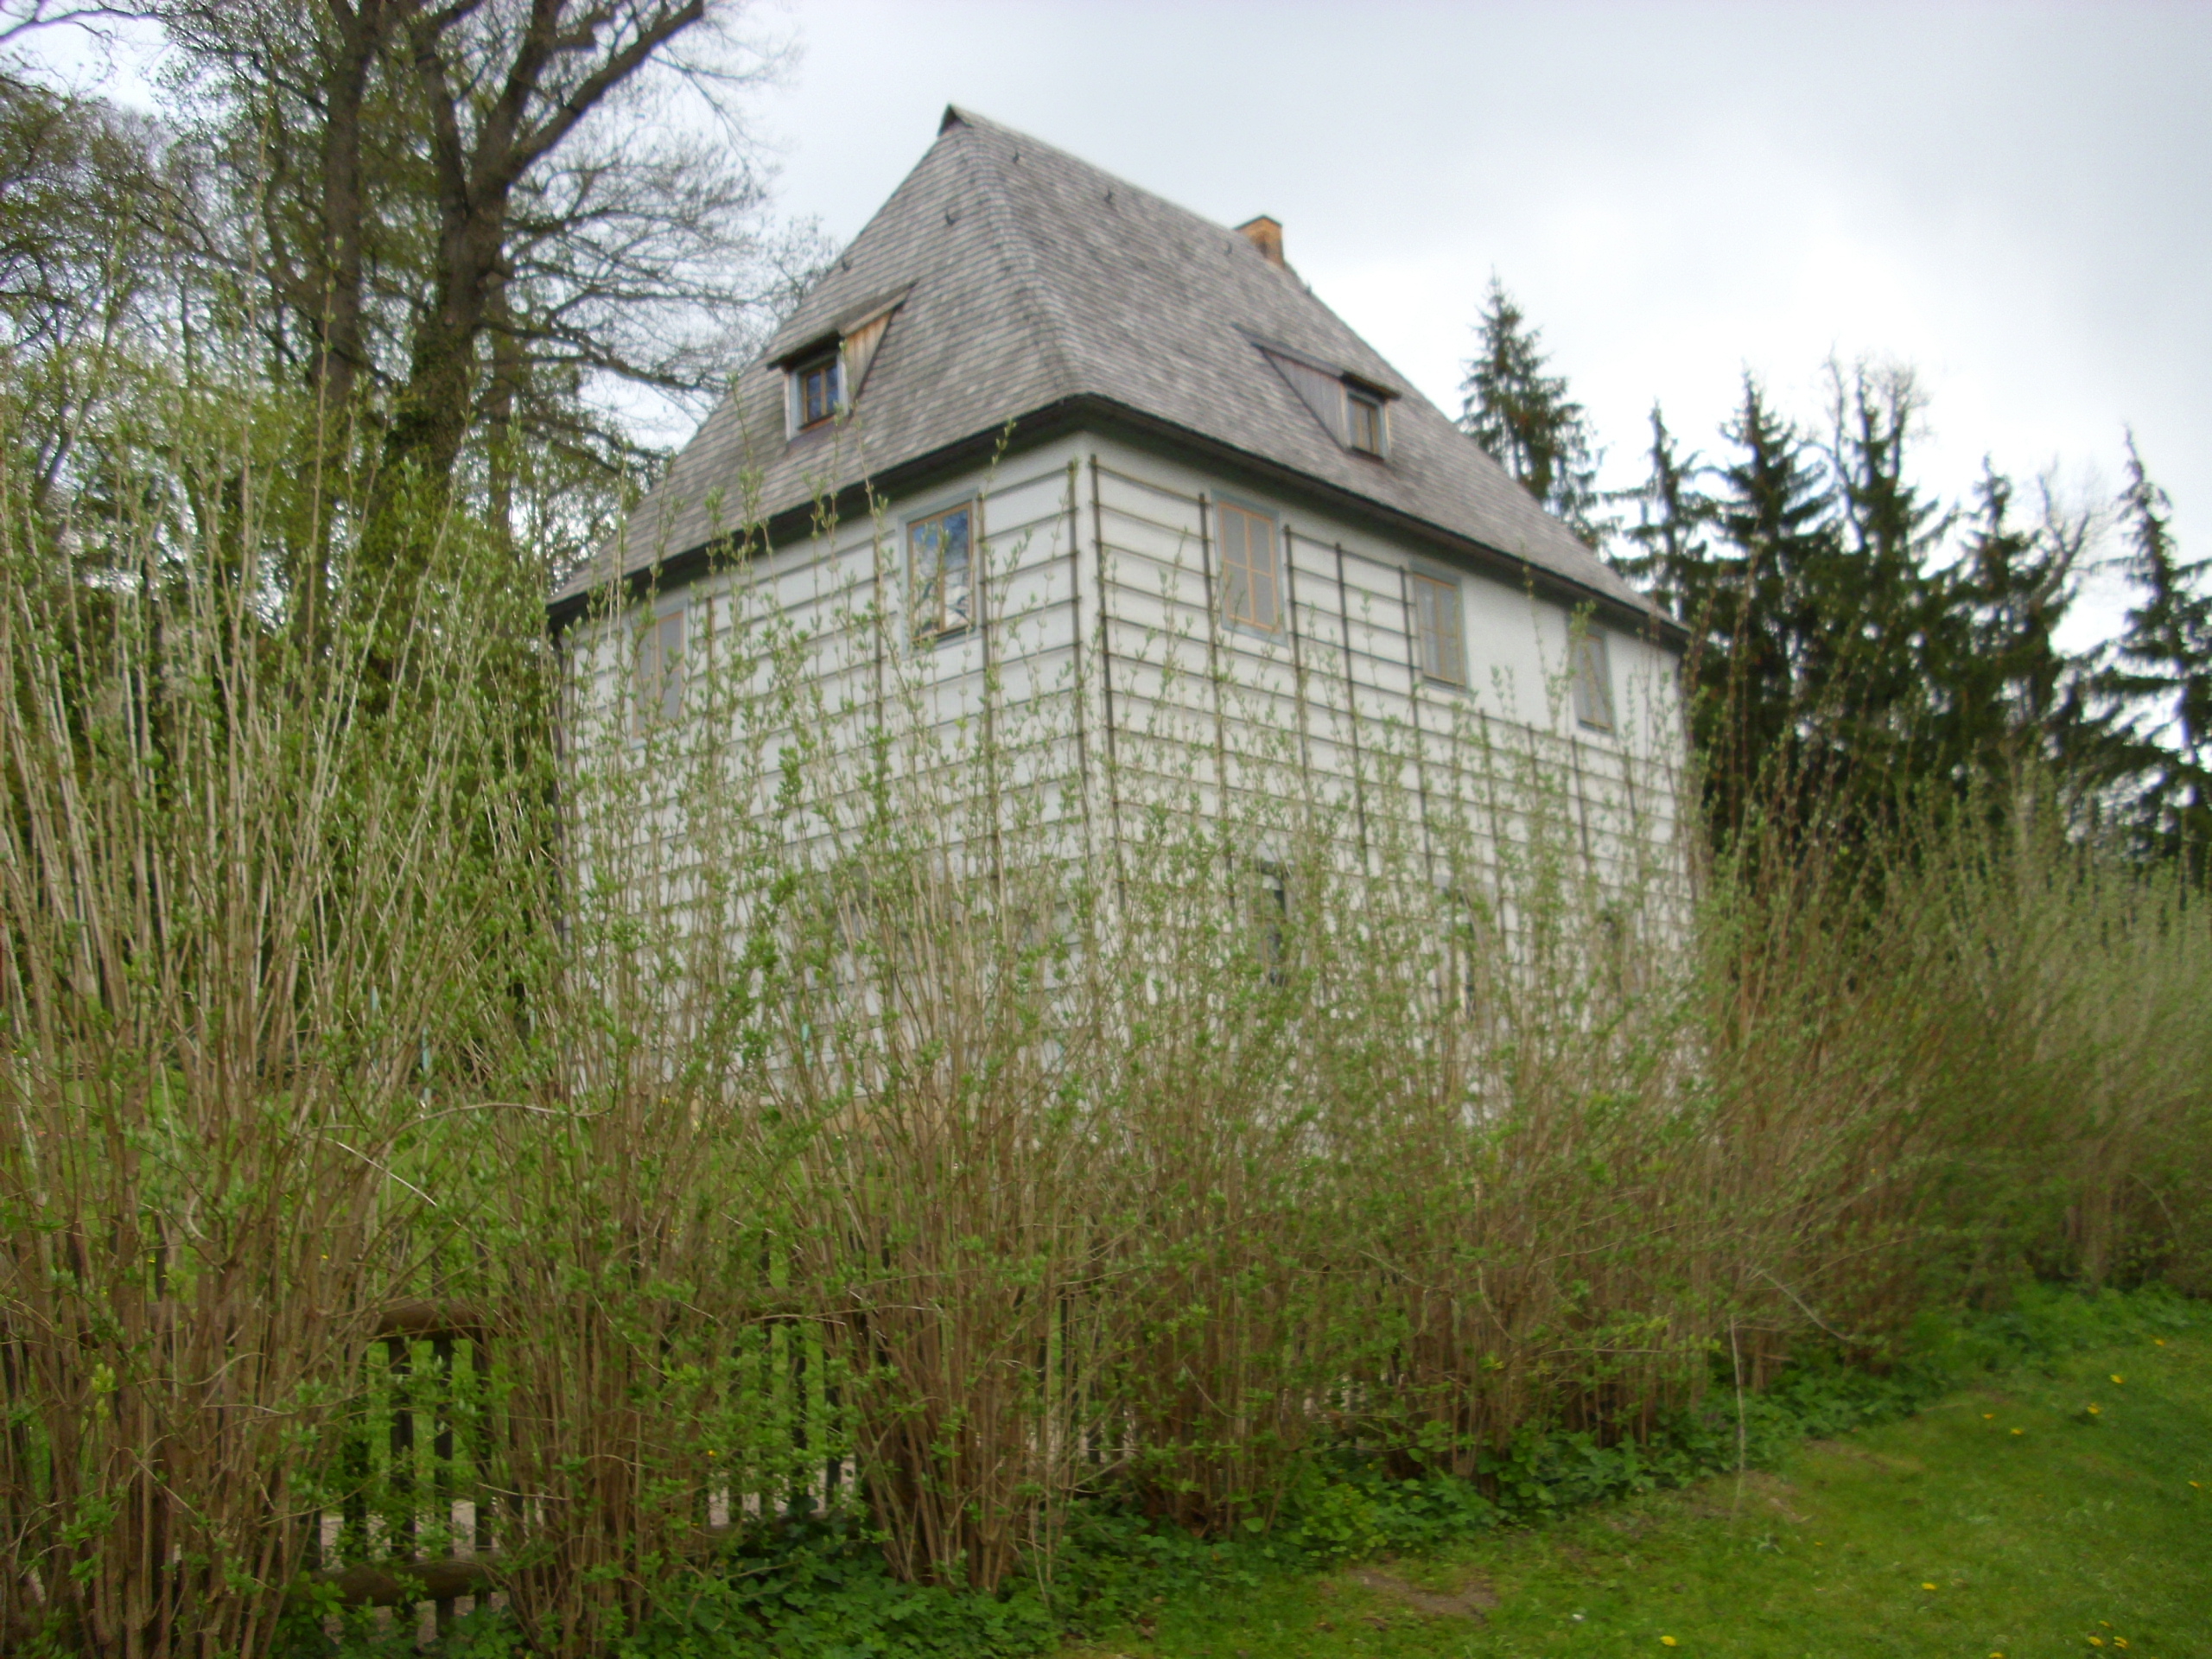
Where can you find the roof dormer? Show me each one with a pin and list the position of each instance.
(823, 376)
(1353, 409)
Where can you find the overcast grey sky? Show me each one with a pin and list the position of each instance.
(2016, 200)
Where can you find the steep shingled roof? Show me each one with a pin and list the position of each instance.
(1031, 280)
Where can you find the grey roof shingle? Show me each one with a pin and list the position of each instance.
(1033, 279)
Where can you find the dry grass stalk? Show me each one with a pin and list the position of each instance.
(808, 1088)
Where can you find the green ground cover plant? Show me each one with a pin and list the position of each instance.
(2005, 1516)
(1967, 1501)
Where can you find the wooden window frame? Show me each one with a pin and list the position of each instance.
(827, 366)
(1466, 921)
(1358, 402)
(656, 676)
(1254, 580)
(1593, 681)
(1270, 912)
(1439, 665)
(934, 617)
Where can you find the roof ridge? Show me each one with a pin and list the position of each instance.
(1012, 245)
(955, 116)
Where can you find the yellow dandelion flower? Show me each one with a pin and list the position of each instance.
(2199, 1485)
(2118, 1378)
(2097, 1641)
(1986, 1415)
(2093, 1411)
(2019, 1430)
(2161, 1341)
(1668, 1642)
(1927, 1586)
(2119, 1641)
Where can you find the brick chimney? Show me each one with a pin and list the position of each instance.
(1266, 235)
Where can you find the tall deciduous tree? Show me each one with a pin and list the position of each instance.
(84, 201)
(480, 219)
(1525, 418)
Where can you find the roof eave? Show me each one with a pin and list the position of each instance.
(1352, 506)
(806, 518)
(1089, 410)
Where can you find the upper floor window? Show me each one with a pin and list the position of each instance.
(1362, 420)
(1354, 411)
(818, 391)
(825, 369)
(1250, 580)
(1438, 631)
(940, 556)
(1593, 681)
(657, 673)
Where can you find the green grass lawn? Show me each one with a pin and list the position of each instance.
(2009, 1519)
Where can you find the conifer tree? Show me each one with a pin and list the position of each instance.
(2163, 666)
(1775, 515)
(1868, 662)
(1671, 560)
(2010, 695)
(1524, 417)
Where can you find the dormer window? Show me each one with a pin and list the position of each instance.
(818, 391)
(1354, 411)
(1362, 420)
(825, 370)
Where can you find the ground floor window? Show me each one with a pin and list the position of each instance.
(1251, 583)
(1436, 625)
(941, 556)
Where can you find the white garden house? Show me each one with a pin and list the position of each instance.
(1044, 450)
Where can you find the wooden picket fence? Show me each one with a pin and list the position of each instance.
(425, 1443)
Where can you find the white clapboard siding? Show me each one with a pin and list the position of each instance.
(1099, 676)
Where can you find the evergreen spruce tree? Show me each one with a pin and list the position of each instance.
(1671, 559)
(1838, 661)
(1876, 612)
(1775, 515)
(2009, 695)
(2163, 666)
(1526, 420)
